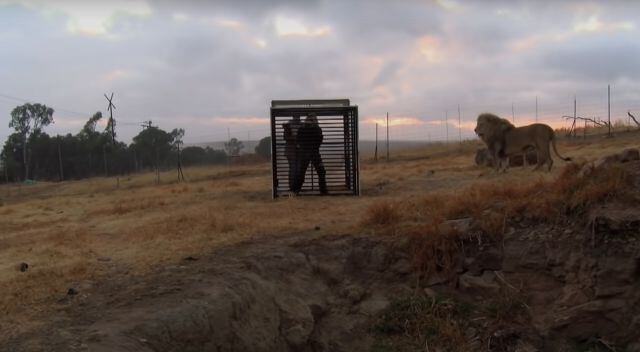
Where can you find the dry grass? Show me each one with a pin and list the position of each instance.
(437, 247)
(411, 323)
(62, 229)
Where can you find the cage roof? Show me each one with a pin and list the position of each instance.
(309, 103)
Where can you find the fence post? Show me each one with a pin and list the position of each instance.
(375, 155)
(387, 136)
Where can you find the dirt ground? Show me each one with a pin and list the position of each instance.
(145, 267)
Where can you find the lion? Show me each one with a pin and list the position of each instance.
(504, 139)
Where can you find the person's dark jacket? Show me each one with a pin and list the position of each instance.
(310, 137)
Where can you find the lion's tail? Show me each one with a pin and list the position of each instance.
(555, 150)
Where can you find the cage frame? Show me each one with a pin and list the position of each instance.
(321, 108)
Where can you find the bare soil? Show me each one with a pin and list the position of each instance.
(231, 283)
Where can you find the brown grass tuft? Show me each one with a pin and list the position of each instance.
(436, 249)
(383, 214)
(491, 206)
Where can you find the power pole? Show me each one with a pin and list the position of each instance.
(459, 125)
(375, 154)
(513, 114)
(446, 123)
(180, 174)
(609, 107)
(387, 136)
(112, 122)
(104, 156)
(575, 116)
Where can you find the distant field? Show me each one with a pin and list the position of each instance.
(366, 147)
(80, 233)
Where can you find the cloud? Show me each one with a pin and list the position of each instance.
(180, 17)
(241, 120)
(394, 121)
(287, 26)
(86, 17)
(196, 64)
(115, 74)
(594, 25)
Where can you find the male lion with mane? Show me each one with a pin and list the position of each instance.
(504, 139)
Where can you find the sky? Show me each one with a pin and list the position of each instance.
(212, 67)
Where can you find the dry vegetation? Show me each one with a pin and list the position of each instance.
(72, 233)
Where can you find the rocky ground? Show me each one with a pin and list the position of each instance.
(566, 285)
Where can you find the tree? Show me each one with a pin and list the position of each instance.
(152, 145)
(90, 126)
(264, 148)
(27, 120)
(177, 134)
(233, 147)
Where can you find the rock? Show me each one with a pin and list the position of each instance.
(374, 305)
(608, 291)
(104, 259)
(522, 346)
(630, 154)
(402, 267)
(490, 259)
(23, 267)
(589, 319)
(616, 271)
(317, 228)
(485, 282)
(634, 347)
(72, 291)
(606, 161)
(296, 321)
(353, 293)
(470, 333)
(586, 169)
(604, 220)
(431, 293)
(572, 295)
(378, 257)
(436, 279)
(461, 225)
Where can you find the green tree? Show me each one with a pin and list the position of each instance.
(153, 145)
(28, 119)
(233, 147)
(264, 147)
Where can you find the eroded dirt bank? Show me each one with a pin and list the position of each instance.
(571, 283)
(568, 287)
(295, 294)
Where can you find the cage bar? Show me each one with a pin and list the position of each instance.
(338, 120)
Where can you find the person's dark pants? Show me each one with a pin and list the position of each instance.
(294, 171)
(316, 160)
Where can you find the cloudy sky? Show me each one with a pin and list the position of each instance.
(213, 67)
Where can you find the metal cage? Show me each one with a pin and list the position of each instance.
(338, 121)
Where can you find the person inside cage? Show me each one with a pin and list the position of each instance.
(309, 140)
(292, 150)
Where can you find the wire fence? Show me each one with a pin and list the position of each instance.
(452, 124)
